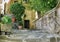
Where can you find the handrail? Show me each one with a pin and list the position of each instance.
(47, 13)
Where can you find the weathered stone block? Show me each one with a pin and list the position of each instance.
(52, 39)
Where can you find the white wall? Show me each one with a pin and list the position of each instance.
(2, 5)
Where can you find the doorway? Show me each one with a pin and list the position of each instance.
(26, 24)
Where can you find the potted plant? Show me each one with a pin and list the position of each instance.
(20, 25)
(18, 10)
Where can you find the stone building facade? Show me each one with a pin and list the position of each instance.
(30, 14)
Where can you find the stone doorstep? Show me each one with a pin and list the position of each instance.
(41, 39)
(38, 40)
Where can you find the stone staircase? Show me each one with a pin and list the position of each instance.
(31, 36)
(50, 22)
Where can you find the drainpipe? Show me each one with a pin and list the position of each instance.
(4, 7)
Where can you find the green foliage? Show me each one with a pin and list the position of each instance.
(6, 19)
(43, 5)
(18, 10)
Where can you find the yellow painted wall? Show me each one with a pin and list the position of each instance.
(30, 15)
(8, 6)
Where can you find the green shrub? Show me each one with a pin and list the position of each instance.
(6, 20)
(18, 10)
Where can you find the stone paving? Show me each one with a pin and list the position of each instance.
(31, 36)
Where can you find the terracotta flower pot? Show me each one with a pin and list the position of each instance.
(20, 27)
(13, 19)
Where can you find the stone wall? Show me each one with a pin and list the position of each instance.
(50, 22)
